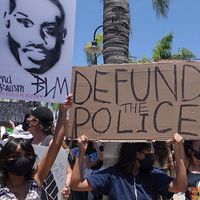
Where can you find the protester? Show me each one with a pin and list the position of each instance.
(133, 177)
(66, 192)
(192, 163)
(39, 122)
(163, 157)
(20, 177)
(94, 156)
(94, 163)
(74, 152)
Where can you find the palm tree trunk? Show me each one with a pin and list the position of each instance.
(116, 29)
(116, 23)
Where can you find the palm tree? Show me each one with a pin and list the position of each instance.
(163, 50)
(161, 7)
(116, 28)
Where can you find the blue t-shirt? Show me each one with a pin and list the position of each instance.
(119, 186)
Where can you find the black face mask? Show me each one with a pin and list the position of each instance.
(197, 154)
(147, 162)
(20, 166)
(25, 126)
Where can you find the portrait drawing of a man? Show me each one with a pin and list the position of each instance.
(43, 33)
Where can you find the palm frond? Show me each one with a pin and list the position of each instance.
(161, 7)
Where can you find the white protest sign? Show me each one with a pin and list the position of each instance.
(36, 47)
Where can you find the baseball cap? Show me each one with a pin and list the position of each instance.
(43, 114)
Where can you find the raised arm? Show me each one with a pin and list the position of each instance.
(66, 190)
(49, 157)
(180, 182)
(78, 183)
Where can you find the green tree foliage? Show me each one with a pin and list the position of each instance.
(92, 57)
(184, 54)
(163, 50)
(161, 7)
(99, 39)
(142, 60)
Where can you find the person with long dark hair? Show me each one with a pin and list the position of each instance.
(133, 177)
(163, 157)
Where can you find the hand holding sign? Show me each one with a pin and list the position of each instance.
(83, 143)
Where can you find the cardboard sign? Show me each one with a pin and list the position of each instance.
(36, 45)
(13, 111)
(137, 101)
(56, 179)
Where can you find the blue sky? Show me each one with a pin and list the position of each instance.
(147, 29)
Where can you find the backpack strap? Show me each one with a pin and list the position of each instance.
(47, 140)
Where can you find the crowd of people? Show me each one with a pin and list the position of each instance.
(21, 177)
(143, 171)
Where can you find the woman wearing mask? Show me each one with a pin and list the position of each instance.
(192, 162)
(39, 122)
(133, 177)
(20, 179)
